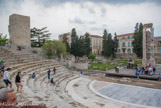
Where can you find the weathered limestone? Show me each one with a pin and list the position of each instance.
(148, 45)
(19, 30)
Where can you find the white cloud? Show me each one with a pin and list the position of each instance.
(95, 17)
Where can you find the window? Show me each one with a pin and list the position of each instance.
(123, 38)
(118, 50)
(159, 51)
(118, 44)
(123, 44)
(128, 37)
(159, 43)
(129, 51)
(128, 44)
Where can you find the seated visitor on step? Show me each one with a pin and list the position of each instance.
(154, 70)
(33, 75)
(137, 74)
(52, 81)
(146, 70)
(19, 48)
(159, 77)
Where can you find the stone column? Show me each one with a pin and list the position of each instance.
(144, 60)
(152, 60)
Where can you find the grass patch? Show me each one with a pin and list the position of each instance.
(138, 62)
(102, 67)
(159, 62)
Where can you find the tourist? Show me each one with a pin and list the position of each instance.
(115, 69)
(49, 74)
(142, 70)
(118, 69)
(8, 98)
(33, 75)
(159, 77)
(1, 73)
(6, 78)
(154, 70)
(19, 48)
(2, 67)
(1, 62)
(137, 74)
(150, 70)
(52, 81)
(18, 82)
(54, 70)
(146, 70)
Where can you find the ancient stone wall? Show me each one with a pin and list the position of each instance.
(19, 30)
(126, 56)
(157, 56)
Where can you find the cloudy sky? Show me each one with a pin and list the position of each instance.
(92, 16)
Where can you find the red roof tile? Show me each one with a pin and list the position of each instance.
(125, 34)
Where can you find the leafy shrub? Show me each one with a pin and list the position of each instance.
(91, 56)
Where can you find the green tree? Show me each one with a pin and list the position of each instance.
(81, 47)
(65, 40)
(2, 36)
(109, 45)
(40, 34)
(137, 42)
(87, 44)
(74, 43)
(91, 56)
(54, 48)
(104, 49)
(115, 45)
(3, 39)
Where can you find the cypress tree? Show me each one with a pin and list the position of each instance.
(87, 44)
(109, 46)
(74, 42)
(104, 50)
(137, 42)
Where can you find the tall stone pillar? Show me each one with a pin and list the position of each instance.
(19, 30)
(144, 60)
(148, 45)
(152, 60)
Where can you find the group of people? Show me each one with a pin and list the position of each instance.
(8, 82)
(52, 79)
(146, 70)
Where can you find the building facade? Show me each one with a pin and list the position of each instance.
(96, 44)
(157, 45)
(125, 43)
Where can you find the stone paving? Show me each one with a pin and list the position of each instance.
(133, 94)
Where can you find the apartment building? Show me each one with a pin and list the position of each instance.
(96, 44)
(125, 43)
(157, 45)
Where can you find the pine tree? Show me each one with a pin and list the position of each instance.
(115, 45)
(40, 34)
(87, 45)
(104, 50)
(137, 42)
(74, 42)
(109, 46)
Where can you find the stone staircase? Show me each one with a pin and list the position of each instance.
(39, 90)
